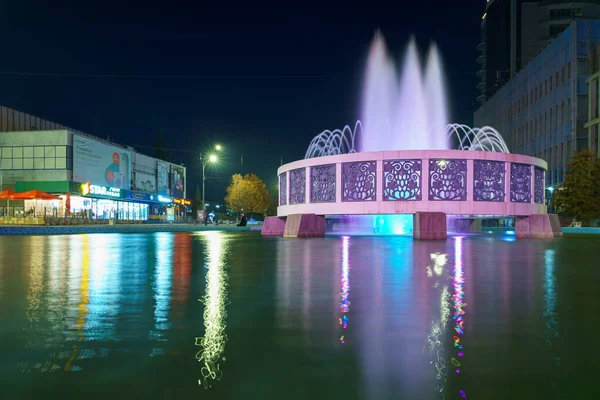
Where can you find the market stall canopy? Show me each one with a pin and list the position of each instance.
(6, 194)
(33, 195)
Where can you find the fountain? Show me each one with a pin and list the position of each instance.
(394, 171)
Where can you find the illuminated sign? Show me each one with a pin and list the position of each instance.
(141, 196)
(164, 199)
(96, 190)
(85, 188)
(184, 202)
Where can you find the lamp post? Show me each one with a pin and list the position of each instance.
(210, 158)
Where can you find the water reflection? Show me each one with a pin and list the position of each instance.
(68, 301)
(435, 338)
(36, 261)
(345, 286)
(105, 261)
(161, 284)
(84, 298)
(458, 282)
(56, 297)
(551, 332)
(182, 270)
(213, 342)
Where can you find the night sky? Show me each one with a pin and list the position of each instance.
(260, 81)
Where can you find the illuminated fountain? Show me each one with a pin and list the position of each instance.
(395, 170)
(403, 113)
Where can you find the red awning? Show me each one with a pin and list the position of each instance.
(6, 194)
(33, 195)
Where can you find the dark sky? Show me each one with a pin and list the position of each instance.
(261, 81)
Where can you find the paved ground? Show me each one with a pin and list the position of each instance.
(139, 228)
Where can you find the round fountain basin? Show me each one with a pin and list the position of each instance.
(409, 181)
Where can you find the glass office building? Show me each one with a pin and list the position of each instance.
(543, 110)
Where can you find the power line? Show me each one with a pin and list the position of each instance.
(182, 77)
(162, 148)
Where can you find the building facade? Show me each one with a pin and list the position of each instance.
(513, 32)
(103, 180)
(494, 48)
(593, 81)
(543, 110)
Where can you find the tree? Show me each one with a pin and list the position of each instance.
(580, 193)
(161, 150)
(273, 199)
(236, 198)
(197, 202)
(248, 194)
(257, 193)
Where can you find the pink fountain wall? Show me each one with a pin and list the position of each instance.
(294, 189)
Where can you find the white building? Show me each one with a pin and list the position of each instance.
(105, 180)
(543, 110)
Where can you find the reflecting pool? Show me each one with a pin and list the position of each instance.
(230, 315)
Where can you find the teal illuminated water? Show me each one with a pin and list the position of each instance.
(230, 315)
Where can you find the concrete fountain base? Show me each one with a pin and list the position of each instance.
(544, 226)
(430, 226)
(273, 226)
(426, 226)
(295, 226)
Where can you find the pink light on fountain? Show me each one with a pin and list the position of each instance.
(378, 95)
(435, 94)
(408, 116)
(403, 109)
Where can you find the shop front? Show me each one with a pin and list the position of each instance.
(88, 201)
(105, 202)
(162, 210)
(181, 209)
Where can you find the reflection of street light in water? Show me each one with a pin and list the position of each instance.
(438, 328)
(213, 342)
(84, 299)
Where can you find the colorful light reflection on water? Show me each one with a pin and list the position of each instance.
(371, 225)
(438, 328)
(345, 285)
(459, 305)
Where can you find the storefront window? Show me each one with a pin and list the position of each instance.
(108, 209)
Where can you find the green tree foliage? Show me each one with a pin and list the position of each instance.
(197, 202)
(580, 193)
(236, 198)
(247, 194)
(273, 199)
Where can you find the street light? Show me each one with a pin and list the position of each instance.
(212, 158)
(208, 158)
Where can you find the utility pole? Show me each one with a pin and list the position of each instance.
(203, 184)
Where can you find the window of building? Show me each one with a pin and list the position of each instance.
(582, 66)
(36, 157)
